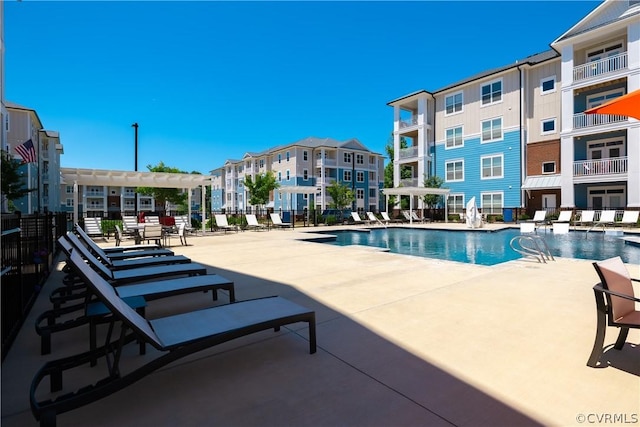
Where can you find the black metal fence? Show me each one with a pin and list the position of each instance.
(28, 248)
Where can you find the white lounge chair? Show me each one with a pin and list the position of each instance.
(152, 219)
(607, 217)
(93, 227)
(373, 219)
(356, 218)
(629, 218)
(253, 224)
(586, 218)
(561, 225)
(277, 221)
(539, 218)
(223, 224)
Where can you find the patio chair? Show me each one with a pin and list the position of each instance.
(122, 252)
(184, 219)
(539, 218)
(356, 218)
(223, 224)
(253, 224)
(561, 225)
(182, 234)
(93, 227)
(152, 219)
(615, 304)
(152, 233)
(415, 217)
(277, 221)
(136, 296)
(607, 217)
(407, 216)
(373, 219)
(124, 264)
(586, 218)
(387, 219)
(629, 218)
(174, 336)
(130, 275)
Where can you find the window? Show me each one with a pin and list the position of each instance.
(288, 156)
(360, 193)
(279, 176)
(453, 103)
(372, 192)
(305, 196)
(455, 170)
(261, 163)
(279, 158)
(492, 92)
(492, 203)
(305, 174)
(455, 203)
(492, 130)
(548, 126)
(359, 159)
(491, 167)
(347, 157)
(372, 176)
(548, 85)
(305, 155)
(346, 175)
(69, 203)
(453, 137)
(288, 175)
(548, 167)
(359, 176)
(69, 189)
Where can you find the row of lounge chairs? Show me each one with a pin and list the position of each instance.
(587, 218)
(112, 286)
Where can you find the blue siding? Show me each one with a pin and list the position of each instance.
(471, 153)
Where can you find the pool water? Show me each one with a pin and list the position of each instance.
(486, 248)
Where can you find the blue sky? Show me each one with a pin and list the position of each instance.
(210, 81)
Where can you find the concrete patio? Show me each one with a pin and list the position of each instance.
(402, 341)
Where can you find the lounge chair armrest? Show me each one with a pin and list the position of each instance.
(599, 288)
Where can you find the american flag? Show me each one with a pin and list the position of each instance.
(27, 151)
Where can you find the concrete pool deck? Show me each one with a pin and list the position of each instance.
(402, 341)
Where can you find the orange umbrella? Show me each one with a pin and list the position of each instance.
(626, 105)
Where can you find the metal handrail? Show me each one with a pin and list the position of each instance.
(538, 250)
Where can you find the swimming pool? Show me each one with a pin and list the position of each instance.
(485, 248)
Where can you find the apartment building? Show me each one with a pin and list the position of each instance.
(515, 136)
(311, 162)
(39, 150)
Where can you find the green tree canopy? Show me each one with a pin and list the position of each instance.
(341, 195)
(432, 200)
(260, 187)
(164, 195)
(13, 184)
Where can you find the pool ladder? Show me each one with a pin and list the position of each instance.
(532, 245)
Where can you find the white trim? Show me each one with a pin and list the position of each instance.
(602, 47)
(453, 161)
(490, 83)
(461, 127)
(543, 81)
(492, 156)
(548, 173)
(492, 193)
(592, 104)
(501, 130)
(549, 132)
(460, 92)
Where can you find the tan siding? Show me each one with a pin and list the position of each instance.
(541, 107)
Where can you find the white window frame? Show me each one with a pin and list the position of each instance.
(288, 174)
(305, 155)
(288, 156)
(545, 80)
(606, 193)
(305, 174)
(346, 175)
(492, 209)
(360, 193)
(446, 138)
(453, 206)
(603, 47)
(359, 159)
(548, 163)
(346, 157)
(446, 171)
(548, 132)
(70, 202)
(490, 84)
(279, 176)
(590, 99)
(359, 176)
(279, 158)
(453, 95)
(492, 156)
(482, 140)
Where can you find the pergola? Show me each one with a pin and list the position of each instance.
(419, 192)
(101, 177)
(299, 189)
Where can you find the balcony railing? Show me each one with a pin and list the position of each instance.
(602, 66)
(410, 121)
(325, 181)
(407, 153)
(608, 166)
(409, 182)
(327, 162)
(582, 120)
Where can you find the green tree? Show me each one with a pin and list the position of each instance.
(13, 184)
(164, 195)
(342, 196)
(260, 187)
(432, 200)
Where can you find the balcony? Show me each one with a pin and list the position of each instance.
(408, 121)
(610, 166)
(600, 67)
(408, 153)
(325, 181)
(327, 162)
(582, 121)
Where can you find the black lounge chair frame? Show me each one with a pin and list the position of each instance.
(176, 336)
